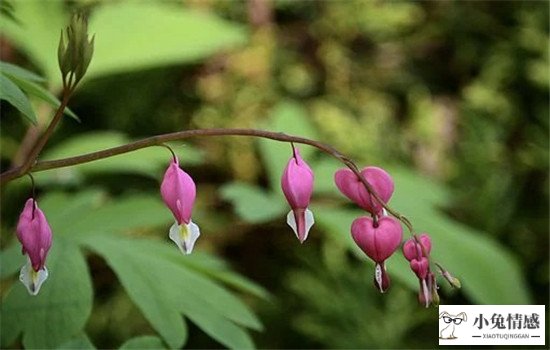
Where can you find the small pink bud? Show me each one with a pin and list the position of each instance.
(378, 242)
(297, 186)
(352, 187)
(178, 192)
(413, 250)
(420, 267)
(34, 233)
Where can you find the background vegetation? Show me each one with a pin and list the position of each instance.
(450, 97)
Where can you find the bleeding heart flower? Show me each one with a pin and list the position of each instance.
(297, 186)
(417, 253)
(178, 192)
(351, 186)
(35, 235)
(413, 250)
(379, 242)
(420, 267)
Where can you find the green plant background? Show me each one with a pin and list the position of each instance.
(450, 97)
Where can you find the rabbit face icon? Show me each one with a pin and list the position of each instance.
(450, 322)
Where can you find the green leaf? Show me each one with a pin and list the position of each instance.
(79, 342)
(37, 34)
(290, 118)
(148, 161)
(18, 72)
(163, 289)
(11, 93)
(6, 10)
(156, 276)
(89, 213)
(64, 209)
(324, 170)
(217, 297)
(252, 203)
(38, 91)
(129, 35)
(216, 268)
(61, 308)
(138, 35)
(143, 342)
(11, 260)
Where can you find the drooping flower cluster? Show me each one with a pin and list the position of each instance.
(35, 235)
(417, 252)
(379, 235)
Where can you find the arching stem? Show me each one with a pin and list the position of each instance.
(158, 140)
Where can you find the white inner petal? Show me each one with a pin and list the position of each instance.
(426, 293)
(184, 236)
(309, 221)
(292, 222)
(378, 276)
(32, 279)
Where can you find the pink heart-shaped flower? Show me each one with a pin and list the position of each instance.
(352, 187)
(420, 267)
(412, 250)
(379, 242)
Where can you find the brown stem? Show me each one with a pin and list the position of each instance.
(15, 173)
(33, 155)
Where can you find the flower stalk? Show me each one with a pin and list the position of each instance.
(158, 140)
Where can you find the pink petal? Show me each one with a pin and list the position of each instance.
(34, 233)
(380, 242)
(409, 250)
(352, 187)
(420, 267)
(178, 192)
(297, 182)
(412, 250)
(426, 242)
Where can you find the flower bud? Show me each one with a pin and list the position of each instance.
(413, 250)
(178, 192)
(297, 186)
(75, 51)
(35, 235)
(453, 281)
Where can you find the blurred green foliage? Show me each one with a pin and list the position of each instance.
(451, 97)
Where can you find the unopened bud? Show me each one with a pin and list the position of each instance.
(453, 281)
(75, 54)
